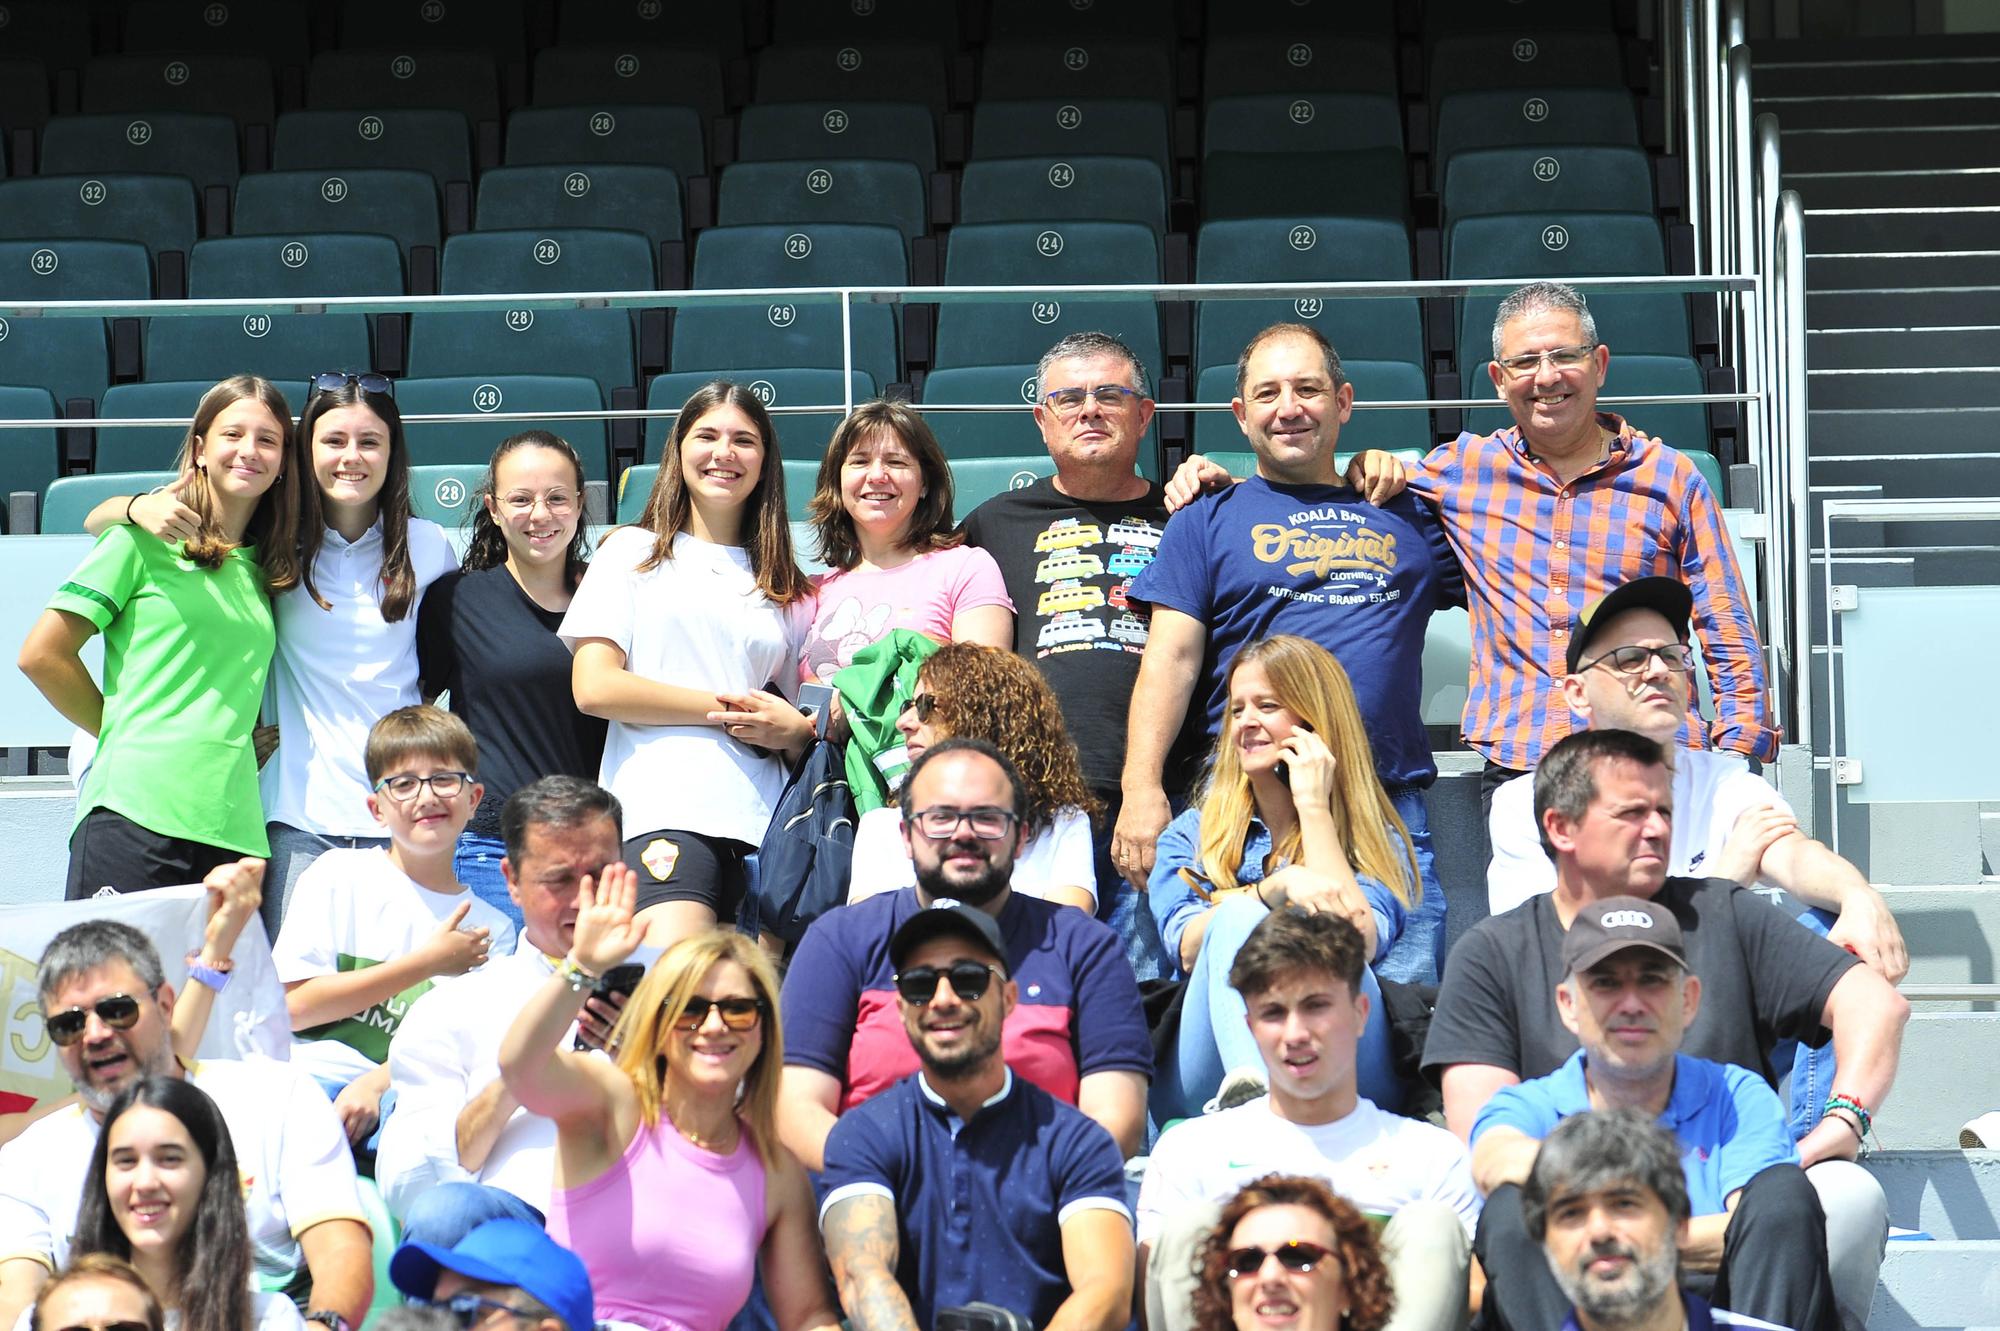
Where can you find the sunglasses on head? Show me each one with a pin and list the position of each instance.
(332, 381)
(738, 1014)
(118, 1011)
(1298, 1257)
(968, 979)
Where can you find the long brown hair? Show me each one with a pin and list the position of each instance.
(766, 529)
(990, 694)
(399, 580)
(274, 524)
(930, 521)
(1371, 1298)
(488, 546)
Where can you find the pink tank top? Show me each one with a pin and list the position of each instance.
(670, 1234)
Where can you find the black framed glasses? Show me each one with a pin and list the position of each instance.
(738, 1014)
(941, 821)
(1297, 1256)
(118, 1011)
(1633, 660)
(1558, 358)
(968, 979)
(1112, 397)
(332, 381)
(923, 704)
(469, 1310)
(445, 785)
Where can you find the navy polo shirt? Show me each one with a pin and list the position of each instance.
(1730, 1124)
(979, 1203)
(1700, 1317)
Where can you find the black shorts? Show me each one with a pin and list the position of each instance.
(107, 849)
(675, 865)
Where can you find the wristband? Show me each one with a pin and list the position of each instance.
(128, 509)
(215, 977)
(576, 977)
(1863, 1121)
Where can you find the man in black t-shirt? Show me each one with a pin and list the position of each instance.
(1069, 546)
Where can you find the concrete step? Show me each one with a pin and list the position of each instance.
(1948, 1283)
(1903, 347)
(1953, 934)
(1888, 149)
(1900, 303)
(1901, 228)
(1945, 1078)
(1932, 386)
(1946, 1194)
(1888, 268)
(1833, 432)
(1904, 476)
(1880, 110)
(1910, 189)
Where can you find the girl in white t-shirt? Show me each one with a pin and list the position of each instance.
(966, 691)
(683, 632)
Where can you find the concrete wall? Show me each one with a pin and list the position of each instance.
(35, 815)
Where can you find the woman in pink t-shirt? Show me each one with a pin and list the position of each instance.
(882, 516)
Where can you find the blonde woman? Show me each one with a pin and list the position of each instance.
(1291, 815)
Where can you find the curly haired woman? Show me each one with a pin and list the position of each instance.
(1288, 1243)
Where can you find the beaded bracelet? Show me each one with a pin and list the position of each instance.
(1863, 1122)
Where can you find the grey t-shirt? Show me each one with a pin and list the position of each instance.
(1763, 978)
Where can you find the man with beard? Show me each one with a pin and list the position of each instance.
(1608, 1203)
(1077, 1032)
(960, 1184)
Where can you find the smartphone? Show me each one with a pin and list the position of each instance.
(980, 1317)
(1283, 770)
(618, 980)
(816, 701)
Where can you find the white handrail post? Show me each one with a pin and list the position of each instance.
(1792, 261)
(846, 351)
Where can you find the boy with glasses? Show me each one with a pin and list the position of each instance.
(369, 931)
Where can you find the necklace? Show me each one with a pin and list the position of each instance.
(720, 1144)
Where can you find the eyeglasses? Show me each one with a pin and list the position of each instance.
(118, 1011)
(738, 1014)
(468, 1310)
(403, 787)
(1675, 656)
(1559, 358)
(1112, 397)
(556, 501)
(941, 820)
(1298, 1257)
(968, 979)
(332, 381)
(923, 704)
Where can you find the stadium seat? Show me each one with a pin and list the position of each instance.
(976, 480)
(1361, 182)
(160, 143)
(597, 76)
(1080, 188)
(1097, 67)
(24, 95)
(1302, 122)
(28, 457)
(1557, 245)
(284, 348)
(1029, 20)
(155, 211)
(56, 32)
(278, 30)
(1525, 116)
(982, 434)
(817, 131)
(1056, 130)
(70, 498)
(836, 73)
(462, 443)
(443, 492)
(714, 25)
(498, 27)
(1446, 16)
(792, 333)
(437, 143)
(596, 344)
(400, 204)
(239, 86)
(1395, 430)
(669, 136)
(368, 80)
(802, 436)
(1241, 462)
(1565, 177)
(1020, 329)
(1683, 425)
(823, 190)
(645, 199)
(1294, 19)
(152, 447)
(1241, 64)
(68, 357)
(635, 486)
(1308, 249)
(1520, 57)
(866, 20)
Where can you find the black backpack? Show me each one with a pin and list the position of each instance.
(808, 850)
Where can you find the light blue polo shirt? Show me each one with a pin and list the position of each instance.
(1730, 1123)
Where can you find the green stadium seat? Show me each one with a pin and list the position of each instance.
(976, 480)
(24, 94)
(1242, 64)
(967, 434)
(669, 136)
(239, 86)
(1055, 130)
(596, 344)
(278, 30)
(56, 32)
(159, 143)
(1358, 182)
(366, 80)
(715, 25)
(68, 357)
(1302, 122)
(70, 498)
(1297, 19)
(801, 480)
(437, 143)
(402, 205)
(1080, 188)
(823, 190)
(634, 484)
(1558, 245)
(28, 457)
(443, 492)
(836, 73)
(463, 443)
(818, 131)
(1555, 177)
(1020, 329)
(1513, 117)
(1308, 249)
(1683, 425)
(1450, 16)
(878, 20)
(157, 212)
(597, 76)
(498, 27)
(645, 199)
(1086, 66)
(802, 436)
(803, 334)
(1241, 463)
(1710, 468)
(1029, 20)
(1519, 57)
(152, 447)
(1396, 430)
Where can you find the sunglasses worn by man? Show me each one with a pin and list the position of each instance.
(968, 979)
(118, 1011)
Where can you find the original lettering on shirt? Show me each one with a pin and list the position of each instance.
(1348, 561)
(1083, 572)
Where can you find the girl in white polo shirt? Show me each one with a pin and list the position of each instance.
(683, 632)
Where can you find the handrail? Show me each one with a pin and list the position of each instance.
(1690, 85)
(1776, 475)
(1715, 139)
(1790, 297)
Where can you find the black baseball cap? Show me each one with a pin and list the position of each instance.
(1669, 596)
(951, 918)
(1604, 928)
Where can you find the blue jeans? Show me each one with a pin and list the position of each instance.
(477, 864)
(1123, 907)
(446, 1213)
(293, 850)
(1215, 1035)
(1417, 955)
(1811, 1071)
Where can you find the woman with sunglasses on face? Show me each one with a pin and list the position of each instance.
(95, 1292)
(487, 635)
(172, 791)
(683, 634)
(164, 1193)
(973, 692)
(1289, 1255)
(670, 1182)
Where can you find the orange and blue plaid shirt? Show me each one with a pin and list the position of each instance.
(1536, 551)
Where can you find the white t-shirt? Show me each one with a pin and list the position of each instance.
(1381, 1162)
(352, 909)
(297, 1169)
(1711, 791)
(1062, 856)
(274, 1312)
(336, 673)
(699, 621)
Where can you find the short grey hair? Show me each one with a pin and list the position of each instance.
(1082, 346)
(1597, 1149)
(86, 946)
(1336, 375)
(1538, 298)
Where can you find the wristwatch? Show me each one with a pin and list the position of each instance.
(328, 1317)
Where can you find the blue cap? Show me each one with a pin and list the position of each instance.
(503, 1252)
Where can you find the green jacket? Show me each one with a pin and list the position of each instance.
(874, 690)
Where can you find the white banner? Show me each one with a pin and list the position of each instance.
(249, 1015)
